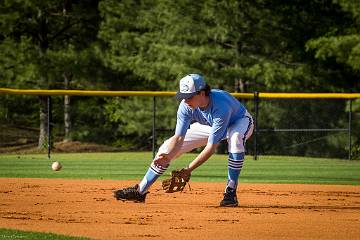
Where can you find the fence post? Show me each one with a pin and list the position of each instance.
(256, 101)
(49, 110)
(349, 127)
(154, 128)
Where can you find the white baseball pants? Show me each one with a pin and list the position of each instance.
(197, 136)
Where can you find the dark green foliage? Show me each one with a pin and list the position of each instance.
(42, 39)
(134, 127)
(246, 46)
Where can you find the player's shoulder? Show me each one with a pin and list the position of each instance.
(219, 92)
(184, 108)
(219, 95)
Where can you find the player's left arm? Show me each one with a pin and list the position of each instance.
(205, 154)
(218, 130)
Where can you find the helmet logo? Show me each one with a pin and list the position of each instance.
(184, 88)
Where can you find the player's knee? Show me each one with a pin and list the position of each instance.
(236, 143)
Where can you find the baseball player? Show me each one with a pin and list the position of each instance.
(205, 116)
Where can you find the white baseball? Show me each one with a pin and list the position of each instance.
(56, 166)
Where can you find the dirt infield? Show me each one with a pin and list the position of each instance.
(266, 211)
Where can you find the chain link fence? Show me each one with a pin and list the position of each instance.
(305, 127)
(314, 127)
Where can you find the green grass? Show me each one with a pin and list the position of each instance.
(130, 165)
(8, 234)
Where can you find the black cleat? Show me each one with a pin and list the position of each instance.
(230, 198)
(130, 194)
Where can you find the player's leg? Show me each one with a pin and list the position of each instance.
(195, 137)
(238, 133)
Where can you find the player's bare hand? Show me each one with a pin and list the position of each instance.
(162, 160)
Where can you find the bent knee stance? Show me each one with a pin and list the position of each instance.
(237, 143)
(239, 133)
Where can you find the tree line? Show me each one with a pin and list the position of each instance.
(238, 45)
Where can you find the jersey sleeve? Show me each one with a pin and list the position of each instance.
(219, 127)
(184, 116)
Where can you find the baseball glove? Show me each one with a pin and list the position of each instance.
(177, 182)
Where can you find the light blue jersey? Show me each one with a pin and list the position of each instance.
(223, 110)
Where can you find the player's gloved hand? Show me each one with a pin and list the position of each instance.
(186, 174)
(177, 182)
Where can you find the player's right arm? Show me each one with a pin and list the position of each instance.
(184, 116)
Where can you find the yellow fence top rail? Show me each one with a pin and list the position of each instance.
(310, 95)
(85, 92)
(170, 94)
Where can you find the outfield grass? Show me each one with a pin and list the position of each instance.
(130, 165)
